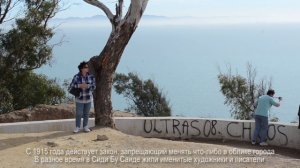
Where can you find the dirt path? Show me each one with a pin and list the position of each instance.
(57, 149)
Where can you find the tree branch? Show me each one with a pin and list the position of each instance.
(135, 11)
(52, 13)
(104, 8)
(4, 13)
(119, 10)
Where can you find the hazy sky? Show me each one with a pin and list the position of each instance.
(279, 10)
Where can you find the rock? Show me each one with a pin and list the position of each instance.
(71, 138)
(52, 144)
(101, 138)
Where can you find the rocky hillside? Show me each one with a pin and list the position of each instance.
(47, 112)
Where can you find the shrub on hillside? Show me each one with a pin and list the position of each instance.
(145, 97)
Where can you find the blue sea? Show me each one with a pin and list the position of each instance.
(184, 61)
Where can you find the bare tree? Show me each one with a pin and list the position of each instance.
(105, 64)
(241, 93)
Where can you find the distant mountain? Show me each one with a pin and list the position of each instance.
(99, 17)
(154, 17)
(155, 20)
(101, 20)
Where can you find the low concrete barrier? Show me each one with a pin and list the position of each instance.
(41, 126)
(285, 135)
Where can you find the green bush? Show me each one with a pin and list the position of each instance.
(242, 92)
(29, 89)
(146, 99)
(6, 100)
(24, 46)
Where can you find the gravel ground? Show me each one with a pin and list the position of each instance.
(108, 148)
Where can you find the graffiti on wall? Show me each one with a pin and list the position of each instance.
(210, 129)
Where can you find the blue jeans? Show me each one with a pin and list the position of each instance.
(82, 111)
(261, 128)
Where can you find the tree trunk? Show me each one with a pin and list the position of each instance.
(105, 65)
(102, 99)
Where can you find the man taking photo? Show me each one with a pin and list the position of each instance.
(263, 106)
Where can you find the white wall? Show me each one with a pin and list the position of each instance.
(41, 126)
(285, 135)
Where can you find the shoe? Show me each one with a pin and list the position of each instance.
(263, 144)
(86, 129)
(253, 142)
(76, 130)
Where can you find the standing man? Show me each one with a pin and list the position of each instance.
(86, 83)
(299, 117)
(263, 106)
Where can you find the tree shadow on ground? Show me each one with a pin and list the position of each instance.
(17, 141)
